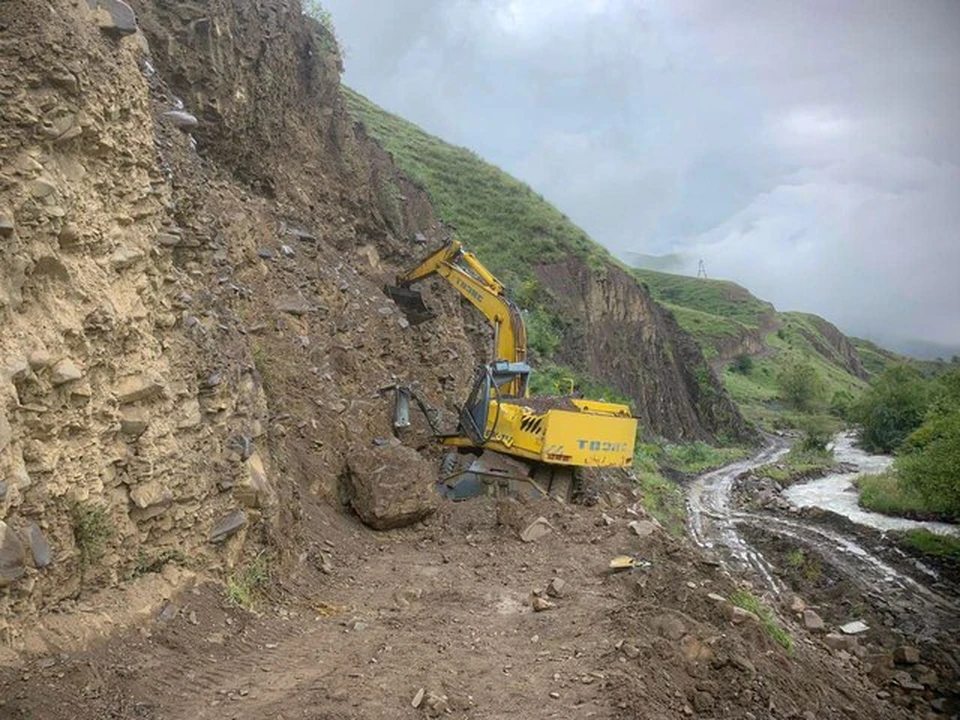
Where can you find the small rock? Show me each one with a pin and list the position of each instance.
(12, 556)
(42, 187)
(124, 257)
(716, 598)
(287, 251)
(183, 120)
(65, 371)
(555, 695)
(812, 621)
(797, 605)
(642, 528)
(39, 547)
(418, 698)
(854, 628)
(135, 388)
(294, 304)
(738, 615)
(115, 17)
(540, 604)
(840, 642)
(556, 588)
(938, 705)
(69, 235)
(906, 655)
(38, 360)
(265, 253)
(7, 225)
(229, 525)
(536, 530)
(605, 520)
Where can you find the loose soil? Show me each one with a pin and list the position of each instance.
(446, 606)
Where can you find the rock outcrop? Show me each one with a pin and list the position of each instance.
(159, 396)
(618, 334)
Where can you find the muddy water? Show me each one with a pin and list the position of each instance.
(837, 493)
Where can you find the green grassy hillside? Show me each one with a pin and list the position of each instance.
(506, 222)
(728, 321)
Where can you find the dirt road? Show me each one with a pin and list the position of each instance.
(366, 620)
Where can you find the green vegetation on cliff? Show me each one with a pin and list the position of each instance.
(503, 220)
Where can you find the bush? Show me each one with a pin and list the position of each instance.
(841, 404)
(892, 407)
(931, 465)
(742, 364)
(801, 386)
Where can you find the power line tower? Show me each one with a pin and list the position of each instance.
(702, 270)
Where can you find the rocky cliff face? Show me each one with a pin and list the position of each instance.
(838, 349)
(192, 244)
(621, 336)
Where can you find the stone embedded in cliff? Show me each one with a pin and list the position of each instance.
(151, 498)
(124, 257)
(65, 371)
(253, 489)
(390, 487)
(295, 304)
(228, 525)
(169, 239)
(183, 120)
(7, 225)
(39, 547)
(134, 388)
(42, 188)
(115, 17)
(69, 235)
(133, 422)
(3, 490)
(12, 556)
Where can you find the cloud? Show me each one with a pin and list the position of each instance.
(807, 150)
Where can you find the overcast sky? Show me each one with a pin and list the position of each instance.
(808, 150)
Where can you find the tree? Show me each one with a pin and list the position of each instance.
(801, 386)
(742, 364)
(892, 407)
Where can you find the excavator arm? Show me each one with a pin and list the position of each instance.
(473, 281)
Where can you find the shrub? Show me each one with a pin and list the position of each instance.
(742, 364)
(801, 386)
(892, 407)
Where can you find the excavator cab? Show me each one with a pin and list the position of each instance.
(475, 413)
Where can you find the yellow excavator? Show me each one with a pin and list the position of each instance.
(515, 444)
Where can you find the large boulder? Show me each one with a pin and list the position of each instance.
(390, 486)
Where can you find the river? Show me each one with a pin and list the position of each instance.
(837, 493)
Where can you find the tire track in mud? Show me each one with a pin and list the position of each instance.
(714, 523)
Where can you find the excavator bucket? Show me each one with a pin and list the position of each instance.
(411, 303)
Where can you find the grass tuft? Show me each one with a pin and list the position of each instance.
(747, 601)
(245, 587)
(92, 530)
(932, 543)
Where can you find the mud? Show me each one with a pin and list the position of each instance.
(846, 572)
